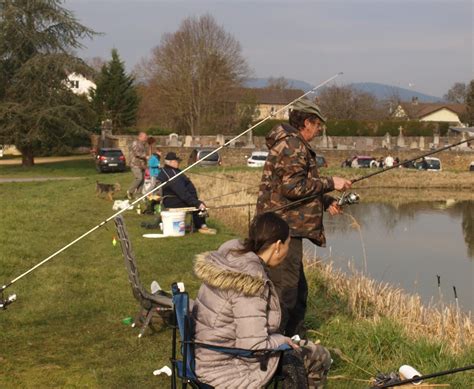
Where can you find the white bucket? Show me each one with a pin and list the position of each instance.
(173, 223)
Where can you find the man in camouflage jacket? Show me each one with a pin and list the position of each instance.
(290, 174)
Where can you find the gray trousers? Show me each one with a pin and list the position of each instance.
(139, 176)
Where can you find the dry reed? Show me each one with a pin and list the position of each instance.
(371, 300)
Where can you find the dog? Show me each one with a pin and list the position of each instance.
(108, 189)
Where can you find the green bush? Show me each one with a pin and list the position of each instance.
(381, 127)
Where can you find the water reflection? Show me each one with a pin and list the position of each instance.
(408, 244)
(391, 215)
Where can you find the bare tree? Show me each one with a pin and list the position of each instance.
(457, 93)
(193, 69)
(96, 63)
(345, 102)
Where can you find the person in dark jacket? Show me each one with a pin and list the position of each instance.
(181, 192)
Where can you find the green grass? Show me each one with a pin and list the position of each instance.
(73, 168)
(371, 348)
(65, 330)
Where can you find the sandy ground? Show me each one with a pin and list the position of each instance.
(39, 160)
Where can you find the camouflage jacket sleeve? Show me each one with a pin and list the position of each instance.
(294, 170)
(138, 150)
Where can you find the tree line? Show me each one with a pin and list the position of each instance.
(187, 85)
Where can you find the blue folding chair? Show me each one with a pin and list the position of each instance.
(184, 369)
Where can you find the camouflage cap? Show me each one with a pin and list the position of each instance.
(305, 105)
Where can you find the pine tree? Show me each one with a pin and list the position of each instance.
(38, 110)
(115, 97)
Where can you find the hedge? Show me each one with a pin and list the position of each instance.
(368, 128)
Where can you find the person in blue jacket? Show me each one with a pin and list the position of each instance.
(154, 166)
(181, 192)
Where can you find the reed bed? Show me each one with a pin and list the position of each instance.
(371, 300)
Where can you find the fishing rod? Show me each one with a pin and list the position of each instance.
(418, 379)
(353, 198)
(4, 302)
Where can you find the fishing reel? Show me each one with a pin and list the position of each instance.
(5, 302)
(348, 198)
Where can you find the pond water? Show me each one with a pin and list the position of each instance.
(408, 245)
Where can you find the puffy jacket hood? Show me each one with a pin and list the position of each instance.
(223, 269)
(280, 132)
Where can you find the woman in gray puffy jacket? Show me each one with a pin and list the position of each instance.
(237, 306)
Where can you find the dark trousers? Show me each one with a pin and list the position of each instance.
(198, 221)
(290, 283)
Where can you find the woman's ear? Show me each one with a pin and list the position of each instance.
(277, 246)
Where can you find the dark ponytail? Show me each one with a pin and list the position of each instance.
(265, 229)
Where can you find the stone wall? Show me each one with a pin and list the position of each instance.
(346, 147)
(238, 157)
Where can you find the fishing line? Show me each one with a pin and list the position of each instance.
(225, 178)
(235, 192)
(160, 186)
(411, 160)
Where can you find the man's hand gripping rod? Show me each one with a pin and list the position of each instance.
(2, 288)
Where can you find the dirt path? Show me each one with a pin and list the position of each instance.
(32, 179)
(40, 160)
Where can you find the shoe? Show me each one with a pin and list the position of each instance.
(129, 195)
(207, 230)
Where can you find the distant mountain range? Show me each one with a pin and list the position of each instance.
(381, 91)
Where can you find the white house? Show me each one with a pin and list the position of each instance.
(79, 84)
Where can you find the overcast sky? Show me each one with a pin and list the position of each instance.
(426, 43)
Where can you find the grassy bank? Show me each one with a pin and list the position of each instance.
(66, 330)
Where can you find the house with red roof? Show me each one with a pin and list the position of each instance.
(430, 112)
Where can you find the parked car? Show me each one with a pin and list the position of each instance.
(429, 164)
(110, 160)
(211, 160)
(257, 159)
(471, 167)
(321, 161)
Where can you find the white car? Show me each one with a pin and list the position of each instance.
(257, 159)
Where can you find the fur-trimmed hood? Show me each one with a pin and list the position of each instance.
(224, 269)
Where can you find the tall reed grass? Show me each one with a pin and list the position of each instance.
(371, 300)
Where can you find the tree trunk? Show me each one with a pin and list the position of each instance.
(27, 157)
